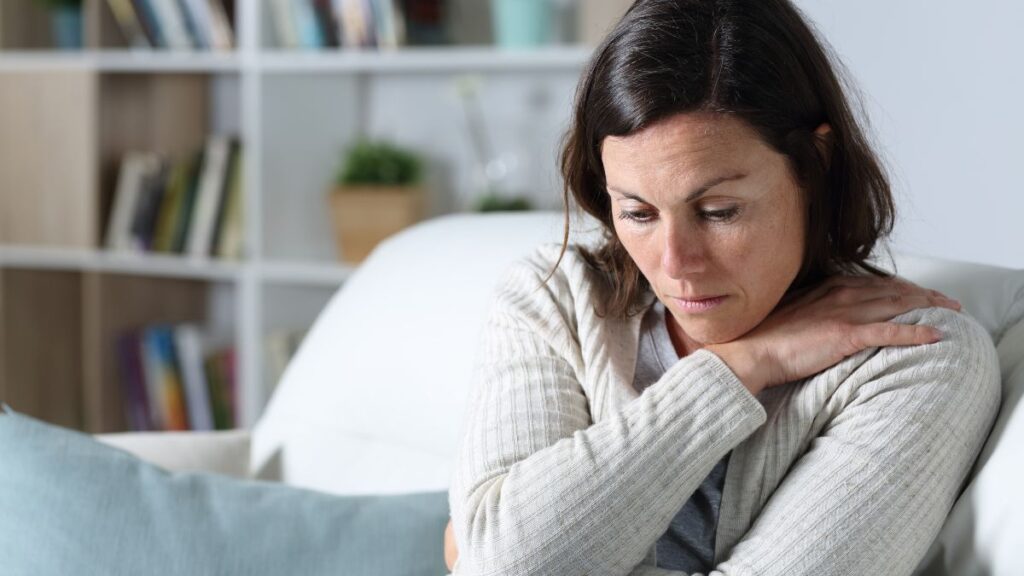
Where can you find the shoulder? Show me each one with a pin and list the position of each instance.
(549, 273)
(963, 337)
(959, 372)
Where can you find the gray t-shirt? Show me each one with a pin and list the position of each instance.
(689, 542)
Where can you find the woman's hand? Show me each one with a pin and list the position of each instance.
(451, 553)
(809, 332)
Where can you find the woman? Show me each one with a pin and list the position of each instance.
(726, 385)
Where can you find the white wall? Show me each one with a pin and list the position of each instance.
(943, 85)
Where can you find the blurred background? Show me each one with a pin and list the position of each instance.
(185, 183)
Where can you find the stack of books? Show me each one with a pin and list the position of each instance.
(187, 206)
(176, 24)
(171, 382)
(356, 23)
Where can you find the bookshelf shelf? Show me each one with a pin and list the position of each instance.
(114, 61)
(95, 260)
(305, 274)
(426, 60)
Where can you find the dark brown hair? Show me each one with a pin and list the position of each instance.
(759, 61)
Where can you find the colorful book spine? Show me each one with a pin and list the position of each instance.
(133, 382)
(310, 35)
(160, 352)
(148, 351)
(129, 23)
(188, 204)
(220, 398)
(171, 207)
(189, 346)
(150, 23)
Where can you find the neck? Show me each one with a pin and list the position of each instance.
(683, 344)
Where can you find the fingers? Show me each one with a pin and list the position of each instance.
(851, 290)
(891, 334)
(883, 305)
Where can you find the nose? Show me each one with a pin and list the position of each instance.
(683, 252)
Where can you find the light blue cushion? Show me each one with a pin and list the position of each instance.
(71, 505)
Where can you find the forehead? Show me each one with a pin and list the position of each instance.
(691, 143)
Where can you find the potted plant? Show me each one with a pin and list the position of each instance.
(377, 192)
(66, 20)
(494, 202)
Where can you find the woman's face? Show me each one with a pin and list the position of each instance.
(707, 209)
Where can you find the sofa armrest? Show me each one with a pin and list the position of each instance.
(222, 452)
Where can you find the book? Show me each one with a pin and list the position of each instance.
(148, 206)
(127, 194)
(220, 396)
(129, 23)
(309, 30)
(189, 345)
(187, 204)
(172, 22)
(424, 22)
(150, 23)
(148, 352)
(230, 367)
(133, 382)
(227, 238)
(211, 186)
(285, 27)
(356, 23)
(327, 22)
(390, 29)
(222, 36)
(171, 206)
(161, 357)
(195, 14)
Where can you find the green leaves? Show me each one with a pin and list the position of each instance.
(379, 163)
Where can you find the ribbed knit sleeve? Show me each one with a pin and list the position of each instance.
(538, 487)
(874, 488)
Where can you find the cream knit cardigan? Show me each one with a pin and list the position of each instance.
(564, 469)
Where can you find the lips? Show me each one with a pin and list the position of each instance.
(699, 305)
(696, 298)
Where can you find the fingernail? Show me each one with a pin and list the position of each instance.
(936, 334)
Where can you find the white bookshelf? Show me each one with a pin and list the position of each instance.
(294, 111)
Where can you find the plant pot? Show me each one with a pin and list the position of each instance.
(67, 27)
(365, 215)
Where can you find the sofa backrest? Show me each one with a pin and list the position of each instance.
(372, 401)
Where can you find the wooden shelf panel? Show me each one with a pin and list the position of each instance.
(41, 357)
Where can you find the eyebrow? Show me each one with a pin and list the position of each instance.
(704, 188)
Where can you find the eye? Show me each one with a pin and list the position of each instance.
(638, 216)
(723, 215)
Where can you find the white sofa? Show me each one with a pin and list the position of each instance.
(374, 399)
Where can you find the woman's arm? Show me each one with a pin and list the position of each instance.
(874, 488)
(538, 488)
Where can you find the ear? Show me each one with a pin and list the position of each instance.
(823, 140)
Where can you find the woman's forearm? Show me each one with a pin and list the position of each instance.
(538, 490)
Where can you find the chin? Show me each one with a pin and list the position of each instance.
(710, 333)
